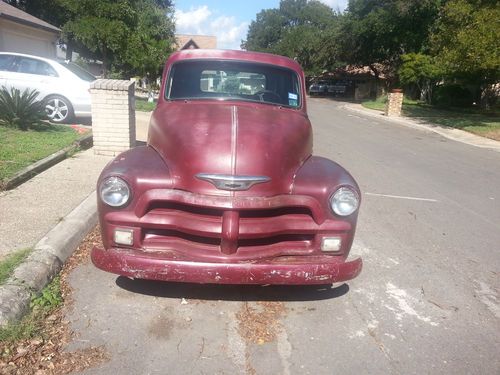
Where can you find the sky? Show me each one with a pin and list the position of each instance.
(227, 20)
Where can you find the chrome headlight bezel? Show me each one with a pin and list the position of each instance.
(344, 201)
(118, 186)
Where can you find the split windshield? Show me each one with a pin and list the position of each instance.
(233, 80)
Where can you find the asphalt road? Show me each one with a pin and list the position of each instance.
(427, 301)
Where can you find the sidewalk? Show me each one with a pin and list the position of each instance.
(32, 209)
(29, 211)
(450, 133)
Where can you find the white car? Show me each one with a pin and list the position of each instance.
(63, 86)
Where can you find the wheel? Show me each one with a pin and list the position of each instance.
(260, 94)
(58, 109)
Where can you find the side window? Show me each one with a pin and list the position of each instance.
(6, 62)
(32, 66)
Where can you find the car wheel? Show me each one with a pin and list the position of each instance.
(58, 109)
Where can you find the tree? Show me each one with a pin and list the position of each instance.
(265, 32)
(380, 31)
(420, 70)
(131, 37)
(151, 42)
(465, 40)
(296, 29)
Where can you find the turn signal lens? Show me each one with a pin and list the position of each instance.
(331, 244)
(124, 236)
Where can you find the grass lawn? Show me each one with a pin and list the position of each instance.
(18, 148)
(142, 104)
(483, 123)
(10, 262)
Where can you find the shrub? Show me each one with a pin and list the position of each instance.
(452, 96)
(20, 109)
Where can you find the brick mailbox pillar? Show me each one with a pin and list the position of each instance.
(113, 116)
(394, 103)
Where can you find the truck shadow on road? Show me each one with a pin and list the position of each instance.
(212, 292)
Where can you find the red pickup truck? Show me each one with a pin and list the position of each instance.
(227, 190)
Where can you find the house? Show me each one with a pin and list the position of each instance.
(195, 41)
(21, 32)
(356, 82)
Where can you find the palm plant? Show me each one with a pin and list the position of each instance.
(20, 109)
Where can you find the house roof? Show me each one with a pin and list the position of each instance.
(17, 15)
(196, 41)
(355, 71)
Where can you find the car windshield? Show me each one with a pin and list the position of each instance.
(234, 80)
(79, 71)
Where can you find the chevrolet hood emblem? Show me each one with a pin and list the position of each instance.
(232, 182)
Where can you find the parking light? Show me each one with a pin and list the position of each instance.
(331, 244)
(124, 237)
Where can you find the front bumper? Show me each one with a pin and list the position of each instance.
(287, 270)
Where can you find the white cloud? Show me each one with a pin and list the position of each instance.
(201, 20)
(191, 22)
(335, 4)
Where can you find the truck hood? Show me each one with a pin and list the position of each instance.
(242, 139)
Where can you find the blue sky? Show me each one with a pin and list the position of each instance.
(227, 20)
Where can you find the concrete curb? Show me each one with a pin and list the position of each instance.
(44, 164)
(45, 261)
(450, 133)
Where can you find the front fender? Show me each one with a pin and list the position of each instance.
(320, 178)
(143, 169)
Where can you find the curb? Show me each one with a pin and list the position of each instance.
(450, 133)
(45, 261)
(44, 164)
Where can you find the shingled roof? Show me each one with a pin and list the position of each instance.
(17, 15)
(196, 41)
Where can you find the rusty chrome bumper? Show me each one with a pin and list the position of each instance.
(289, 270)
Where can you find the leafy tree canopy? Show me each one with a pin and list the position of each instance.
(379, 31)
(466, 40)
(131, 37)
(296, 29)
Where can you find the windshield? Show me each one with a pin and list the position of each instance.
(79, 71)
(235, 80)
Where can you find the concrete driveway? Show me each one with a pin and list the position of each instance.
(427, 301)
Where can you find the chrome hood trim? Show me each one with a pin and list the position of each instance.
(232, 182)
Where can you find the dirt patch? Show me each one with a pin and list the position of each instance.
(45, 354)
(493, 134)
(260, 324)
(161, 327)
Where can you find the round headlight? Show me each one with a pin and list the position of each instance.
(114, 191)
(344, 201)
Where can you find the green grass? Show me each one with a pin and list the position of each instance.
(18, 148)
(480, 122)
(32, 324)
(143, 105)
(378, 105)
(10, 262)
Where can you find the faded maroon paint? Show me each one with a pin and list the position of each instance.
(184, 229)
(270, 141)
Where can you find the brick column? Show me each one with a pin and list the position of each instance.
(113, 116)
(394, 103)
